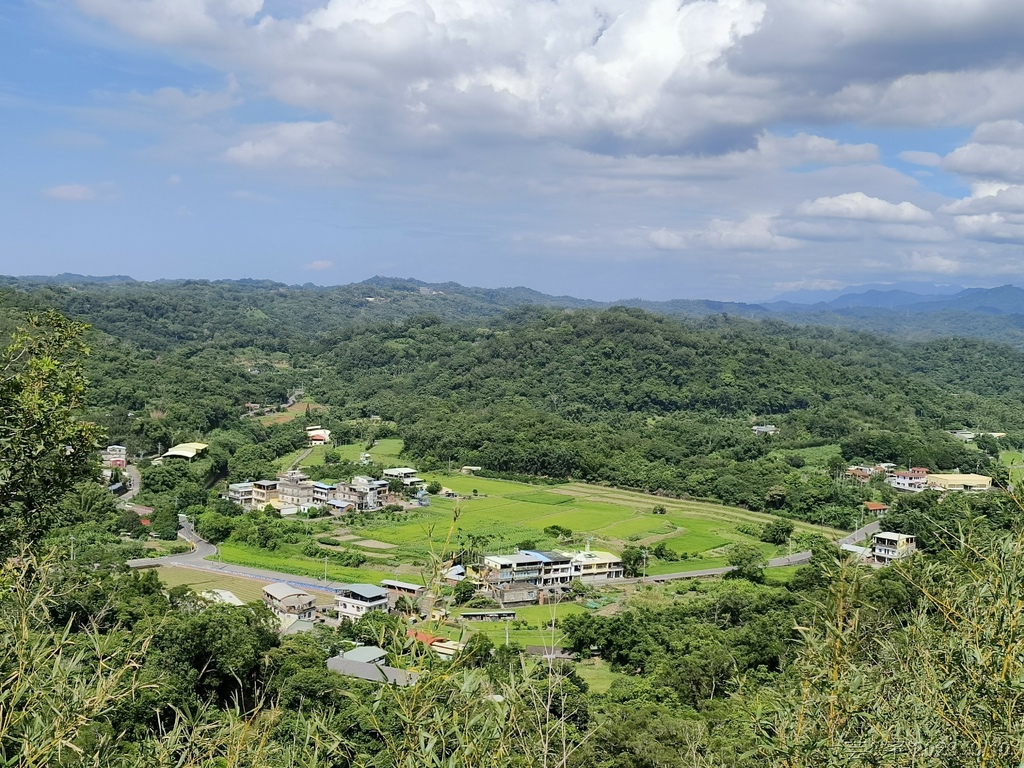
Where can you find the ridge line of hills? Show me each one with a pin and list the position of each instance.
(924, 313)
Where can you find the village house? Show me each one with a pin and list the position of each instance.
(887, 547)
(765, 429)
(524, 576)
(590, 566)
(407, 475)
(288, 601)
(913, 480)
(876, 507)
(374, 673)
(264, 492)
(367, 491)
(295, 488)
(240, 493)
(398, 589)
(317, 436)
(354, 600)
(115, 456)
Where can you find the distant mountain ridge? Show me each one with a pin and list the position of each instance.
(990, 313)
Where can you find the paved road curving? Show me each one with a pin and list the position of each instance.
(202, 549)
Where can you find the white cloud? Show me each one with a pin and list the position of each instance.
(755, 233)
(861, 207)
(174, 180)
(995, 227)
(72, 192)
(318, 266)
(931, 262)
(301, 144)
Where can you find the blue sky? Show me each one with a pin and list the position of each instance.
(729, 149)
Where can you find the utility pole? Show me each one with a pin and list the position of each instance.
(644, 580)
(325, 569)
(72, 549)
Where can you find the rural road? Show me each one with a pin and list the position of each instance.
(202, 549)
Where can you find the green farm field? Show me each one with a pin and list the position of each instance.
(515, 515)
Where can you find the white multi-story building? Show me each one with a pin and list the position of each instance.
(887, 547)
(914, 479)
(368, 491)
(288, 601)
(240, 493)
(590, 566)
(354, 600)
(406, 474)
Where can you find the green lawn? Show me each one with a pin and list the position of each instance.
(598, 675)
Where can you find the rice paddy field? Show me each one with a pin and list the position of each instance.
(509, 515)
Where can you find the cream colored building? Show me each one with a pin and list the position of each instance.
(595, 565)
(887, 547)
(960, 482)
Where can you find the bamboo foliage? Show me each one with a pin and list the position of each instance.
(943, 687)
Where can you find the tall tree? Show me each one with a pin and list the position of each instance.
(44, 449)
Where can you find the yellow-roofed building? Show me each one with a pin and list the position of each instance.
(186, 451)
(960, 482)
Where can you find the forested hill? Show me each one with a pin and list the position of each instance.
(185, 310)
(612, 395)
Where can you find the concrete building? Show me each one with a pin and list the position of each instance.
(367, 491)
(913, 480)
(294, 487)
(353, 600)
(590, 566)
(318, 436)
(286, 600)
(887, 547)
(960, 482)
(240, 493)
(556, 568)
(115, 456)
(264, 492)
(406, 474)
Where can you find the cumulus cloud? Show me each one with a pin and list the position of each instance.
(861, 207)
(72, 192)
(755, 233)
(318, 266)
(652, 118)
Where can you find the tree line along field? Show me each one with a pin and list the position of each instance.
(499, 516)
